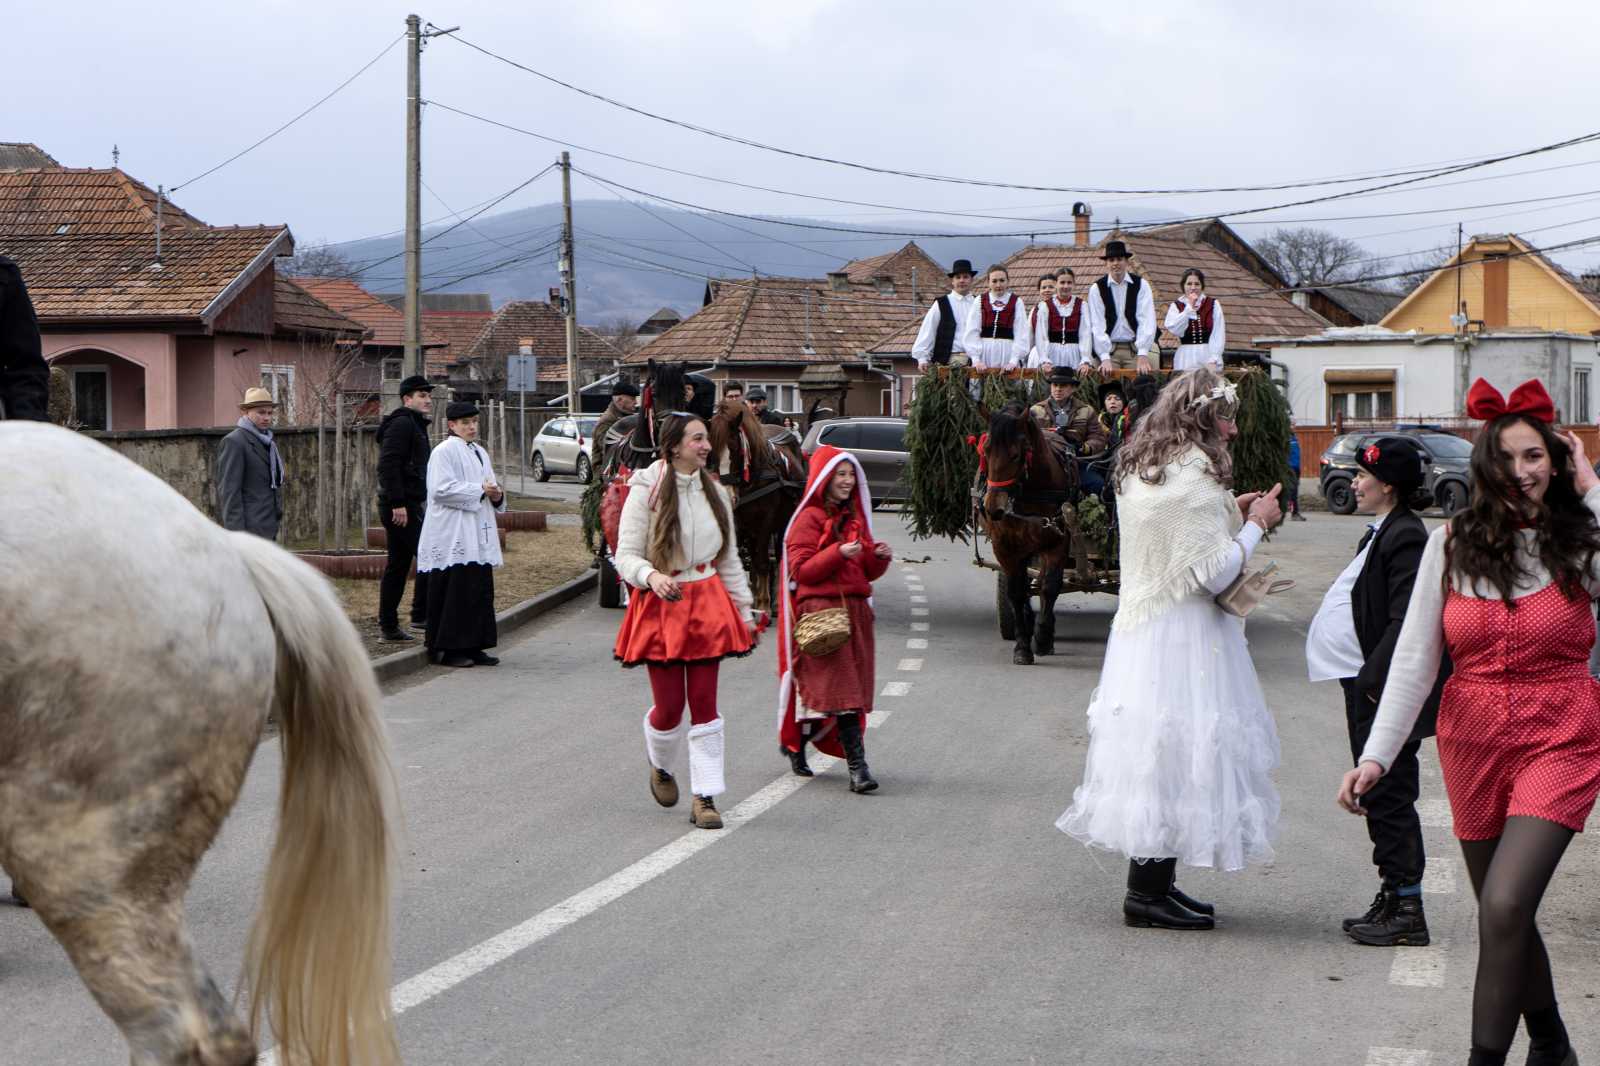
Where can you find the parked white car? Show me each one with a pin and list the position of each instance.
(562, 447)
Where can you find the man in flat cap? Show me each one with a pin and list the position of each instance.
(402, 498)
(250, 470)
(624, 398)
(757, 399)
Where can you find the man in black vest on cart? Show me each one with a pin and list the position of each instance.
(1122, 313)
(939, 339)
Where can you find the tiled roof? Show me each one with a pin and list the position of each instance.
(1250, 312)
(475, 302)
(1367, 305)
(460, 329)
(114, 276)
(41, 202)
(542, 326)
(16, 155)
(910, 267)
(294, 309)
(388, 326)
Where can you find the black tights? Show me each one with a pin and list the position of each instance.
(1509, 876)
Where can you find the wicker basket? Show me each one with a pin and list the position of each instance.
(823, 632)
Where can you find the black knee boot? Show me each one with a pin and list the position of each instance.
(855, 753)
(1149, 901)
(1547, 1039)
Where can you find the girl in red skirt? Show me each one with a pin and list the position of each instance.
(1507, 587)
(829, 560)
(675, 544)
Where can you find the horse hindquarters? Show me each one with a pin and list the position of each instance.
(318, 957)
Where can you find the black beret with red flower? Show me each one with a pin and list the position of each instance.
(1397, 461)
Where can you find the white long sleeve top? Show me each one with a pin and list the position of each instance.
(961, 307)
(1189, 356)
(459, 526)
(1145, 339)
(1420, 649)
(1074, 353)
(997, 351)
(1220, 571)
(699, 553)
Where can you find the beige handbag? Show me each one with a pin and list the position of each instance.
(1249, 589)
(823, 632)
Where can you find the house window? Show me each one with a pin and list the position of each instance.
(1580, 396)
(1360, 393)
(91, 396)
(391, 369)
(886, 402)
(279, 380)
(782, 396)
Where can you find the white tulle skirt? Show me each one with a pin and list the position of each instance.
(1181, 746)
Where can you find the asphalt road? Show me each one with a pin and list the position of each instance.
(940, 920)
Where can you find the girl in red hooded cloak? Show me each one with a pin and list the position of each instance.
(829, 559)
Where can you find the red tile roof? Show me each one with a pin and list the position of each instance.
(86, 202)
(460, 330)
(543, 327)
(388, 326)
(294, 309)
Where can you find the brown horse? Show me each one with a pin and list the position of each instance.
(1025, 489)
(763, 466)
(143, 649)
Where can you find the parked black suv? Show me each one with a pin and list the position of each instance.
(1447, 479)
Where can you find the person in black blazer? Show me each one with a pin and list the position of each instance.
(1352, 639)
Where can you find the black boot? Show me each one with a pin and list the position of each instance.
(1149, 902)
(1547, 1039)
(395, 635)
(1193, 904)
(1402, 924)
(1374, 913)
(855, 753)
(797, 760)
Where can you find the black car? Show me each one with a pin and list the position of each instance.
(1447, 480)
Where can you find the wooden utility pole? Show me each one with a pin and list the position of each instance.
(569, 284)
(412, 363)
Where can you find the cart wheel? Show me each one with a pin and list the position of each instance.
(610, 583)
(1002, 607)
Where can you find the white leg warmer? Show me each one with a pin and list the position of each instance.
(665, 749)
(705, 759)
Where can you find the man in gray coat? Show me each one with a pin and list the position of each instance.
(250, 471)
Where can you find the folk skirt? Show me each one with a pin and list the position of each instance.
(704, 624)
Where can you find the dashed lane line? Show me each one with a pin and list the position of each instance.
(896, 688)
(1420, 967)
(919, 627)
(916, 644)
(919, 612)
(1396, 1056)
(909, 665)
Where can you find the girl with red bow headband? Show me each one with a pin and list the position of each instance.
(1507, 587)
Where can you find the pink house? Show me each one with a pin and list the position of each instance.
(165, 331)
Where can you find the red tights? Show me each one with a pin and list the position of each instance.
(672, 685)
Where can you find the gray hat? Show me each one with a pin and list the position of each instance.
(756, 394)
(624, 388)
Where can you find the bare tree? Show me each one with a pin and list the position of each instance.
(1310, 256)
(1419, 267)
(318, 260)
(621, 331)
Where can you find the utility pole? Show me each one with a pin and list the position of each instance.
(412, 363)
(569, 283)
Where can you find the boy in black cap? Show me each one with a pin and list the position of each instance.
(1122, 314)
(402, 499)
(1352, 640)
(939, 339)
(624, 398)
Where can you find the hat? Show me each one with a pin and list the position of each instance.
(624, 388)
(756, 394)
(1115, 249)
(1108, 387)
(415, 383)
(1396, 461)
(962, 266)
(460, 409)
(1063, 375)
(257, 397)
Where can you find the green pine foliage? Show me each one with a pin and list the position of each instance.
(589, 506)
(1261, 450)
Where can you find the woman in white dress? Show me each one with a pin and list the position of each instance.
(1181, 745)
(1196, 320)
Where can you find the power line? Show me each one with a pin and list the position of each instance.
(667, 222)
(337, 89)
(461, 221)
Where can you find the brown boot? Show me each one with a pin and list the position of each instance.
(663, 787)
(703, 813)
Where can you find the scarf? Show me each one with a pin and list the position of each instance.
(1167, 530)
(274, 460)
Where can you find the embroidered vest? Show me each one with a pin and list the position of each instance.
(1199, 329)
(1130, 312)
(1064, 328)
(998, 325)
(944, 337)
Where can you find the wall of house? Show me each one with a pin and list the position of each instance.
(197, 384)
(143, 382)
(1535, 299)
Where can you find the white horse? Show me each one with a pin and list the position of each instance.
(141, 651)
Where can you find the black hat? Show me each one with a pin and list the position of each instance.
(1063, 375)
(460, 409)
(962, 266)
(756, 394)
(1108, 387)
(624, 388)
(1116, 249)
(415, 383)
(1396, 461)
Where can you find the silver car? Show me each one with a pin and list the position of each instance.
(878, 441)
(562, 447)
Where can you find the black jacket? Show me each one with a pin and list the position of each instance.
(24, 375)
(403, 459)
(1379, 600)
(769, 417)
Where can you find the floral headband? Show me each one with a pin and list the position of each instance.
(1228, 392)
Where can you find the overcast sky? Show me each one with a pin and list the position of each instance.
(1150, 94)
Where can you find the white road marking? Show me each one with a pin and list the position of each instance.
(919, 612)
(1396, 1056)
(896, 688)
(919, 627)
(919, 599)
(1419, 967)
(916, 644)
(1435, 813)
(909, 665)
(1439, 879)
(877, 718)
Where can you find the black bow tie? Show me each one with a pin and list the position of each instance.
(1366, 540)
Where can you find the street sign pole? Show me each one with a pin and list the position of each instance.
(522, 374)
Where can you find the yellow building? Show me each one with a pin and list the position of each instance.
(1505, 285)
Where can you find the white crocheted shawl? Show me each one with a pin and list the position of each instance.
(1168, 530)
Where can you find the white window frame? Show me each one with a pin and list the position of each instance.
(1327, 393)
(103, 369)
(271, 375)
(1582, 383)
(777, 392)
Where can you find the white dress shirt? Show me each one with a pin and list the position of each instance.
(1075, 352)
(1144, 340)
(961, 306)
(1190, 356)
(997, 351)
(1333, 651)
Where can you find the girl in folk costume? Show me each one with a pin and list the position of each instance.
(997, 326)
(1196, 320)
(460, 546)
(1180, 755)
(675, 544)
(1506, 587)
(1061, 333)
(829, 560)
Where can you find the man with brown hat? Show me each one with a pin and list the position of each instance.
(250, 470)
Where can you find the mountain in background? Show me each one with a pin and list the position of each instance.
(632, 262)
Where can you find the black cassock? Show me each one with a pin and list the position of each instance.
(461, 608)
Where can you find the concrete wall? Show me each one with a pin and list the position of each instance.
(186, 460)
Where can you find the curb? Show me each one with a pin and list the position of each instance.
(411, 660)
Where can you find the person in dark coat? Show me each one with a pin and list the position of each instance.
(402, 500)
(24, 375)
(250, 470)
(1352, 640)
(757, 399)
(624, 398)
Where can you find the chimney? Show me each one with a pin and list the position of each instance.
(1080, 221)
(838, 281)
(885, 284)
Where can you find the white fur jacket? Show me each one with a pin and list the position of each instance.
(700, 540)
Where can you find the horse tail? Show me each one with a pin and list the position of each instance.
(317, 961)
